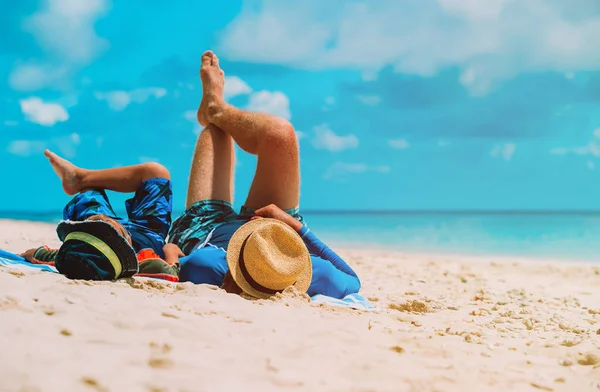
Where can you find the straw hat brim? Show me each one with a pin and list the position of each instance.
(234, 252)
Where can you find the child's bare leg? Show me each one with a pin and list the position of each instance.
(121, 179)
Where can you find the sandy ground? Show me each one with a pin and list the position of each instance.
(443, 324)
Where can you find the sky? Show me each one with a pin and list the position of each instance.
(397, 104)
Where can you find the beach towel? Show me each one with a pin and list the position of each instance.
(13, 261)
(353, 301)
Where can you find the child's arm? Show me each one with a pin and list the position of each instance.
(41, 255)
(151, 265)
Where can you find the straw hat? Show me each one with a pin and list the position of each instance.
(266, 256)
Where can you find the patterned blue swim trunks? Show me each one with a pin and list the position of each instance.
(148, 212)
(194, 228)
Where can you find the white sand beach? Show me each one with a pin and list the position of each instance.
(443, 324)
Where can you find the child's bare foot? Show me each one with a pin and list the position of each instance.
(213, 82)
(68, 173)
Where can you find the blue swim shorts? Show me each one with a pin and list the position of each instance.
(148, 212)
(194, 228)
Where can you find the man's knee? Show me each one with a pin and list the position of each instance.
(155, 170)
(281, 133)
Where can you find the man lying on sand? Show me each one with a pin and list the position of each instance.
(99, 245)
(246, 252)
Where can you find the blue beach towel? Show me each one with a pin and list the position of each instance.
(11, 260)
(353, 301)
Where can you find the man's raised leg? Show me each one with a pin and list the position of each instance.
(211, 175)
(273, 139)
(121, 179)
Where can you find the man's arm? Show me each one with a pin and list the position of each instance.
(314, 245)
(172, 253)
(318, 248)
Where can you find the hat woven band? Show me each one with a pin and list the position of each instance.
(100, 245)
(254, 284)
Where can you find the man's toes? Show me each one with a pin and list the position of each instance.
(207, 58)
(215, 60)
(50, 155)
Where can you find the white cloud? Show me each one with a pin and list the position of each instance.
(399, 144)
(369, 75)
(329, 102)
(26, 148)
(75, 138)
(272, 102)
(591, 165)
(300, 135)
(142, 94)
(118, 100)
(474, 10)
(488, 41)
(64, 29)
(370, 100)
(592, 148)
(197, 129)
(561, 151)
(33, 76)
(40, 112)
(326, 139)
(145, 159)
(235, 86)
(191, 115)
(67, 145)
(504, 151)
(341, 170)
(10, 123)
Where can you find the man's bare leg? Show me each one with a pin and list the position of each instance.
(121, 179)
(211, 175)
(277, 178)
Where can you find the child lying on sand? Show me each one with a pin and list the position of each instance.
(99, 245)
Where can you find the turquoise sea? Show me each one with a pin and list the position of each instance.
(555, 235)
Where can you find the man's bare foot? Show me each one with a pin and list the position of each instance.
(68, 173)
(213, 82)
